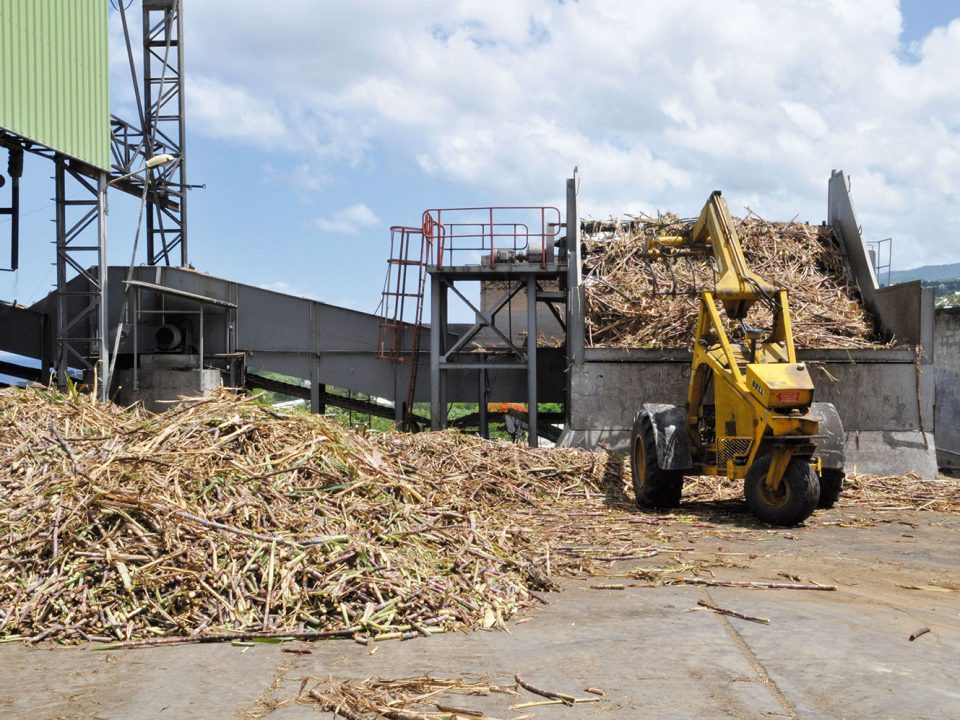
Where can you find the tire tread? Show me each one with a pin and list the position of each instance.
(657, 487)
(803, 484)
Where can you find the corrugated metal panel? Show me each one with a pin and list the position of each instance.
(54, 75)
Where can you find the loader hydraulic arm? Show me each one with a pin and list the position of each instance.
(714, 234)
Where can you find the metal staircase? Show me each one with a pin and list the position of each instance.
(402, 306)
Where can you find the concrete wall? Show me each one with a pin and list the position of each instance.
(946, 369)
(905, 312)
(160, 389)
(879, 396)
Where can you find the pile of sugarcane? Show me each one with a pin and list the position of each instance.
(224, 519)
(633, 302)
(225, 516)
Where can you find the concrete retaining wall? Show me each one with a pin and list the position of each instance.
(879, 396)
(946, 369)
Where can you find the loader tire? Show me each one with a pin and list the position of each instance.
(652, 485)
(793, 502)
(831, 485)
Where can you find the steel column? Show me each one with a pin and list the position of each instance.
(532, 361)
(483, 420)
(103, 319)
(575, 329)
(438, 331)
(60, 219)
(575, 320)
(316, 398)
(316, 403)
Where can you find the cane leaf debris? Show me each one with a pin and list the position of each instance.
(639, 303)
(417, 698)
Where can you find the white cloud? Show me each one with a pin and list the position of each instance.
(349, 221)
(658, 103)
(806, 118)
(282, 286)
(233, 112)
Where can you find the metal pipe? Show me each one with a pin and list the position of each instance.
(16, 170)
(436, 347)
(164, 290)
(136, 336)
(60, 183)
(518, 365)
(575, 325)
(103, 309)
(181, 109)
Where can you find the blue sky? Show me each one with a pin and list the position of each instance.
(316, 125)
(922, 16)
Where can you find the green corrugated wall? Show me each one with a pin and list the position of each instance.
(54, 85)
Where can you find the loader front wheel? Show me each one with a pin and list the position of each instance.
(791, 503)
(831, 485)
(652, 485)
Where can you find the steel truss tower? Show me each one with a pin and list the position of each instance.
(164, 131)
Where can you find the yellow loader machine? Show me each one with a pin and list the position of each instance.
(750, 412)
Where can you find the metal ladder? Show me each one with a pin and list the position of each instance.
(402, 306)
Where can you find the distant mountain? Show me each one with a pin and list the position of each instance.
(927, 273)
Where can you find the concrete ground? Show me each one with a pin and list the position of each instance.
(843, 654)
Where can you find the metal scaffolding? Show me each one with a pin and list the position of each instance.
(164, 131)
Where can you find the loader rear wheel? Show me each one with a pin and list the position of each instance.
(791, 503)
(652, 485)
(831, 485)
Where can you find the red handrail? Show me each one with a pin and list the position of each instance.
(495, 226)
